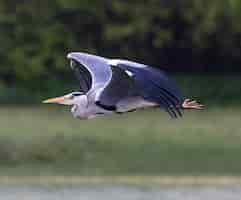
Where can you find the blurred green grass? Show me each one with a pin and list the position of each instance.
(48, 141)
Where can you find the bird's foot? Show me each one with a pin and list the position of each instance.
(192, 104)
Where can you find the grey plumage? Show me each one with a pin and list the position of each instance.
(113, 85)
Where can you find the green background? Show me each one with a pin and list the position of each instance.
(197, 41)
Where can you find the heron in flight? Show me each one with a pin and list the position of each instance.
(118, 86)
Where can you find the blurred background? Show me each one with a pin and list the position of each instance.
(199, 39)
(198, 42)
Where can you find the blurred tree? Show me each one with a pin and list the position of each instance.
(176, 35)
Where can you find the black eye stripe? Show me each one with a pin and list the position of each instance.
(76, 94)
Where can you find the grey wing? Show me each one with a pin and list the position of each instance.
(120, 87)
(83, 76)
(93, 72)
(154, 85)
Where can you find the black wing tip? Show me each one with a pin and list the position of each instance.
(174, 113)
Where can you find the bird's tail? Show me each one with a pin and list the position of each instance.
(191, 104)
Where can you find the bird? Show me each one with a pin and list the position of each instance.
(110, 86)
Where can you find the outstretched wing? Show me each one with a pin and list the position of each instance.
(105, 85)
(92, 71)
(154, 85)
(120, 87)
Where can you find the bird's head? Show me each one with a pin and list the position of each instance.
(74, 98)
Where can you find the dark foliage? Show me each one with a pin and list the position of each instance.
(190, 35)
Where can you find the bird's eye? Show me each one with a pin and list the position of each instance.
(73, 64)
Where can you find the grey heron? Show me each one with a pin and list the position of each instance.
(118, 86)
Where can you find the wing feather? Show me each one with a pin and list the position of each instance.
(92, 71)
(154, 85)
(120, 86)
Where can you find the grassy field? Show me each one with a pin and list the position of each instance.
(48, 141)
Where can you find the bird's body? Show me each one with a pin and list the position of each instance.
(117, 86)
(93, 110)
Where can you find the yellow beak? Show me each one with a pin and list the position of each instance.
(55, 100)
